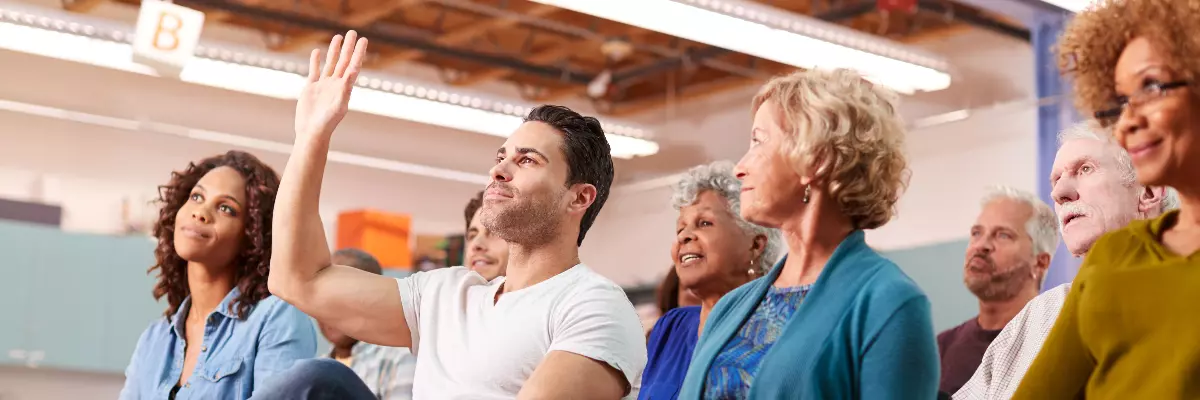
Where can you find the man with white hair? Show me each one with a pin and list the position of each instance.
(1094, 191)
(1010, 247)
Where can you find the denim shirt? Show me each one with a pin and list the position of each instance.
(236, 356)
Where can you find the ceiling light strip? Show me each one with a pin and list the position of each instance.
(776, 35)
(817, 29)
(278, 78)
(230, 139)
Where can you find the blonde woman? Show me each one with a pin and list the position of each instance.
(833, 319)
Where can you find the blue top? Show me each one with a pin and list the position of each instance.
(237, 355)
(737, 363)
(863, 332)
(668, 353)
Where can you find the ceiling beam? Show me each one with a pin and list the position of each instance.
(471, 31)
(930, 34)
(81, 6)
(357, 20)
(545, 56)
(685, 94)
(563, 74)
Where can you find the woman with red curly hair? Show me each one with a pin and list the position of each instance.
(1126, 327)
(222, 333)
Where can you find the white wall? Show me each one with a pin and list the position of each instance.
(952, 163)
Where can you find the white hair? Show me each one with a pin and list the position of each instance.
(1092, 130)
(1042, 227)
(718, 177)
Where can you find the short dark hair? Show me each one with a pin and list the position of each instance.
(472, 208)
(589, 158)
(360, 259)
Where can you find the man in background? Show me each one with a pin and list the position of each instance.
(1009, 251)
(387, 371)
(486, 253)
(1095, 191)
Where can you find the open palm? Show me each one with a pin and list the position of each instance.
(323, 101)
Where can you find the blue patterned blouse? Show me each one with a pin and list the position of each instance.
(735, 366)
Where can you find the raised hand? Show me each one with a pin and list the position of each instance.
(323, 102)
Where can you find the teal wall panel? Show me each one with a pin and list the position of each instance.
(938, 269)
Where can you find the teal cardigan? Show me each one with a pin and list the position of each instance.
(863, 332)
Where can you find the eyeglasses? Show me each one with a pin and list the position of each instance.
(1149, 92)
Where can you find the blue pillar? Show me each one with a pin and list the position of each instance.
(1053, 116)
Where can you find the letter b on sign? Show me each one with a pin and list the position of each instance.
(166, 36)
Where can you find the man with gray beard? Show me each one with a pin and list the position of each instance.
(1009, 252)
(1095, 191)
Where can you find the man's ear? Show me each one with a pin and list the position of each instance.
(1151, 199)
(583, 195)
(1042, 267)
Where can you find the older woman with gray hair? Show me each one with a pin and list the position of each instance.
(714, 252)
(834, 319)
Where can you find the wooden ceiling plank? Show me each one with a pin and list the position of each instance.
(541, 57)
(465, 34)
(82, 6)
(358, 20)
(222, 16)
(650, 103)
(938, 33)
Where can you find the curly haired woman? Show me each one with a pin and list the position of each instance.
(833, 319)
(223, 333)
(1125, 330)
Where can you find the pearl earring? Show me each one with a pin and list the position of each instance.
(807, 192)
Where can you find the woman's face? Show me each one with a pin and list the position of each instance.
(1158, 130)
(210, 226)
(771, 188)
(712, 254)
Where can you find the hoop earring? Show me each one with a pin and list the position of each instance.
(807, 192)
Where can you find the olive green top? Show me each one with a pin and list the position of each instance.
(1130, 327)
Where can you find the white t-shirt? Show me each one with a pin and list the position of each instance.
(468, 347)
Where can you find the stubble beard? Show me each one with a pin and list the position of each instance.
(1001, 286)
(529, 222)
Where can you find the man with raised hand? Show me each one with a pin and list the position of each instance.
(550, 329)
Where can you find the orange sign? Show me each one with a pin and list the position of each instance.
(385, 235)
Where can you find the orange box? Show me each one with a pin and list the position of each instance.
(385, 235)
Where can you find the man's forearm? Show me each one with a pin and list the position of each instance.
(299, 249)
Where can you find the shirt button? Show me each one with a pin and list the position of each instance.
(188, 385)
(203, 349)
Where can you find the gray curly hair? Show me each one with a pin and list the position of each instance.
(718, 177)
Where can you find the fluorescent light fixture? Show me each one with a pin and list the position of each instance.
(264, 76)
(1074, 6)
(230, 139)
(776, 35)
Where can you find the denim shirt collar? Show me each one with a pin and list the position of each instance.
(177, 320)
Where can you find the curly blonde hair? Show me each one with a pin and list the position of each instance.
(848, 129)
(1093, 41)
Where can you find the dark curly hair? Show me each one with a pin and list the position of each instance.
(252, 262)
(472, 207)
(1093, 41)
